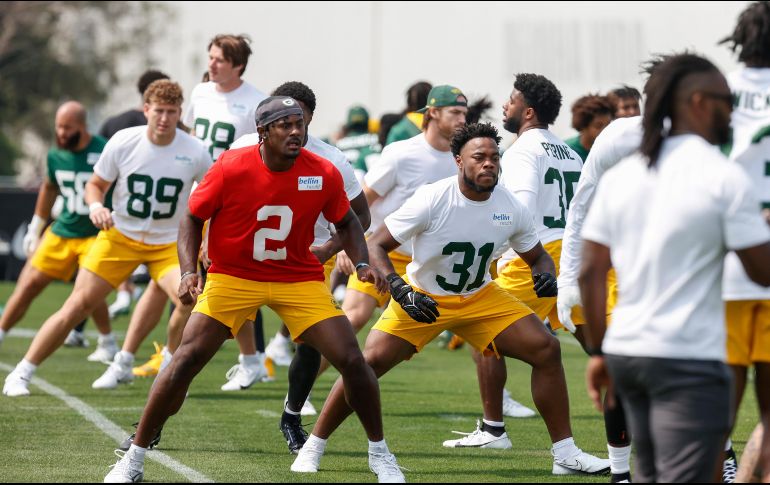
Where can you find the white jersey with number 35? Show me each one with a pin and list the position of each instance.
(542, 171)
(221, 118)
(153, 182)
(454, 237)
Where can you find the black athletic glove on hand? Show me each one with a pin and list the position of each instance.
(419, 306)
(545, 285)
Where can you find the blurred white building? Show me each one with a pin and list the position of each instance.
(369, 52)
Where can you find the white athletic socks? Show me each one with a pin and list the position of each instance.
(620, 459)
(494, 424)
(125, 358)
(123, 298)
(318, 443)
(280, 339)
(249, 360)
(378, 447)
(2, 335)
(26, 368)
(728, 444)
(136, 453)
(564, 449)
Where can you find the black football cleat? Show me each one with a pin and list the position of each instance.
(126, 444)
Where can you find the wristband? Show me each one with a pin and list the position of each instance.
(362, 265)
(95, 206)
(597, 352)
(36, 225)
(186, 274)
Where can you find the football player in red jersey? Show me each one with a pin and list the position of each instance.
(263, 202)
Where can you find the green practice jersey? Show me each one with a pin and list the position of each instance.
(70, 171)
(575, 144)
(358, 148)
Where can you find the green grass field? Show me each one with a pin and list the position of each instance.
(234, 437)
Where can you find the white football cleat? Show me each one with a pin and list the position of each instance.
(580, 462)
(279, 353)
(242, 376)
(16, 385)
(106, 348)
(308, 459)
(76, 339)
(125, 470)
(480, 439)
(386, 468)
(514, 409)
(119, 372)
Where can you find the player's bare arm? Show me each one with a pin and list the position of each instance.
(96, 189)
(754, 261)
(380, 244)
(593, 288)
(371, 195)
(543, 271)
(351, 235)
(333, 246)
(188, 246)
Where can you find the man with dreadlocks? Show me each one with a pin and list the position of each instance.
(747, 305)
(668, 233)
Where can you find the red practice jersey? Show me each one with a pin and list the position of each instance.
(262, 221)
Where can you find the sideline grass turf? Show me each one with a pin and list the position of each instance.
(234, 436)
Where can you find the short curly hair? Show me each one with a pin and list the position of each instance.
(585, 109)
(540, 94)
(164, 91)
(469, 132)
(299, 91)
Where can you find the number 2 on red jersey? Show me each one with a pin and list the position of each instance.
(286, 215)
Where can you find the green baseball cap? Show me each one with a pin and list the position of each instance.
(358, 116)
(445, 95)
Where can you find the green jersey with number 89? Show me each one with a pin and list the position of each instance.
(70, 171)
(219, 119)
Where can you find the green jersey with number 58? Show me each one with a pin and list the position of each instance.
(219, 119)
(70, 171)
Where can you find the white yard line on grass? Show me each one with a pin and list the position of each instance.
(29, 333)
(111, 429)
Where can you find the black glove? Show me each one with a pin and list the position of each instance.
(545, 285)
(419, 306)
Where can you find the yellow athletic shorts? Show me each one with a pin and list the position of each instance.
(232, 301)
(399, 263)
(478, 319)
(114, 257)
(516, 277)
(328, 268)
(59, 257)
(748, 332)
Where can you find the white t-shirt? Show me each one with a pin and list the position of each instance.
(542, 171)
(221, 118)
(668, 233)
(404, 167)
(454, 237)
(751, 111)
(751, 88)
(153, 182)
(755, 160)
(352, 187)
(618, 140)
